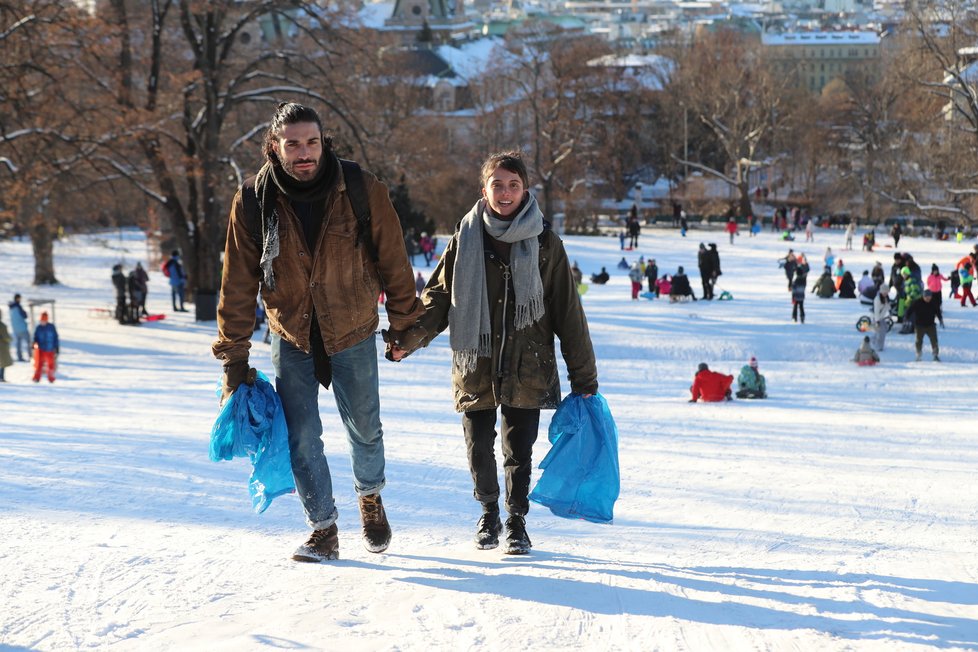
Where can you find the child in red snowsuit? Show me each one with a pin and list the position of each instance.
(710, 385)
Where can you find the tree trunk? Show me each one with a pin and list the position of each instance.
(42, 242)
(868, 198)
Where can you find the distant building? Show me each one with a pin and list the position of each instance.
(433, 21)
(816, 58)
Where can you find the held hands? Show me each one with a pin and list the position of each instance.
(401, 344)
(236, 373)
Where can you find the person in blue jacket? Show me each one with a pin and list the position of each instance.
(18, 321)
(178, 280)
(46, 348)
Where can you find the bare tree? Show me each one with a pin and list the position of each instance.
(727, 86)
(942, 166)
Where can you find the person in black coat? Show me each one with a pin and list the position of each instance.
(651, 273)
(600, 278)
(926, 311)
(119, 281)
(847, 288)
(680, 286)
(705, 263)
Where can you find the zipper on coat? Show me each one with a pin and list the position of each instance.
(502, 334)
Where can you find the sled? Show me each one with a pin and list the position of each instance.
(865, 324)
(582, 288)
(102, 313)
(647, 295)
(158, 317)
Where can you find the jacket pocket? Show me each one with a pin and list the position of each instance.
(537, 366)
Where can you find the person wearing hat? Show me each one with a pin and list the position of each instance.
(865, 355)
(912, 292)
(924, 315)
(46, 348)
(710, 386)
(750, 382)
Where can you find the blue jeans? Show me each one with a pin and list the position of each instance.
(176, 293)
(357, 392)
(23, 337)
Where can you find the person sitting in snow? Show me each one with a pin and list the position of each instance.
(825, 286)
(663, 286)
(600, 278)
(865, 355)
(680, 287)
(623, 264)
(710, 385)
(750, 382)
(847, 288)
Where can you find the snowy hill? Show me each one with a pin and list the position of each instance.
(839, 514)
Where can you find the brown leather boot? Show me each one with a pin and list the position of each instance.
(376, 529)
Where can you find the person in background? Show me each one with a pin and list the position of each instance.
(731, 228)
(750, 382)
(881, 312)
(798, 296)
(934, 284)
(419, 283)
(119, 281)
(680, 287)
(46, 348)
(22, 334)
(5, 359)
(924, 315)
(142, 284)
(710, 386)
(504, 290)
(651, 274)
(136, 296)
(601, 277)
(865, 356)
(578, 274)
(173, 269)
(635, 276)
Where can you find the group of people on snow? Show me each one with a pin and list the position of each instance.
(711, 386)
(43, 348)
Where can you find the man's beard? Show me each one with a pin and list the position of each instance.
(301, 175)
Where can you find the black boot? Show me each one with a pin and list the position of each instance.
(517, 541)
(489, 527)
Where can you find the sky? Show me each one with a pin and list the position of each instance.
(839, 514)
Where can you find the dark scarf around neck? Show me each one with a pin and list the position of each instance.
(273, 179)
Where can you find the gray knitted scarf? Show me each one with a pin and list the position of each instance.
(469, 316)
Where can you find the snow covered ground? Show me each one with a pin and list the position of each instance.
(839, 514)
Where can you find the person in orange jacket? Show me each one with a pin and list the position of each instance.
(710, 385)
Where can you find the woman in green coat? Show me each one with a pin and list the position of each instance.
(505, 289)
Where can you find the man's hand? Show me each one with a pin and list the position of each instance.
(236, 373)
(401, 344)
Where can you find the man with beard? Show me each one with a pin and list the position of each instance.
(297, 233)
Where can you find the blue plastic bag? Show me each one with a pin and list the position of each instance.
(252, 424)
(580, 477)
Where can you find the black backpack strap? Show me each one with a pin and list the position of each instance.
(251, 213)
(356, 191)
